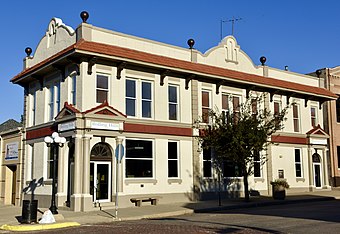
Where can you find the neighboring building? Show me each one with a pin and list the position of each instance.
(99, 88)
(11, 170)
(330, 79)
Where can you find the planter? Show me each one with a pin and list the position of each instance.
(279, 192)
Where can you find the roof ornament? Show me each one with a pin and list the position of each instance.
(84, 15)
(28, 51)
(318, 73)
(263, 60)
(191, 43)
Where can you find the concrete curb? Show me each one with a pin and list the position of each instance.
(38, 227)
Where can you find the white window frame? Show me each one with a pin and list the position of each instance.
(206, 107)
(53, 97)
(73, 89)
(146, 100)
(298, 163)
(176, 159)
(138, 99)
(152, 159)
(211, 164)
(296, 118)
(103, 89)
(173, 103)
(315, 117)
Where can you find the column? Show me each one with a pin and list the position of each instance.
(61, 192)
(86, 196)
(310, 169)
(78, 175)
(325, 168)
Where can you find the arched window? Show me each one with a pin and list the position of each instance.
(316, 158)
(101, 151)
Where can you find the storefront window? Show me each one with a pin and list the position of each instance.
(139, 159)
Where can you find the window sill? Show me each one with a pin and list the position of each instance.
(140, 181)
(300, 180)
(174, 181)
(258, 180)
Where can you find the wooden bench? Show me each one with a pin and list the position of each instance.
(138, 200)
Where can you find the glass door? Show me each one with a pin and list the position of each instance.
(100, 181)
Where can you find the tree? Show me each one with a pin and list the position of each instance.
(239, 136)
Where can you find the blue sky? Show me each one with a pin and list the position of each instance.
(303, 35)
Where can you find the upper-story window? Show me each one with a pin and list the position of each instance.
(102, 88)
(146, 99)
(338, 110)
(236, 108)
(205, 106)
(254, 107)
(53, 100)
(143, 95)
(296, 118)
(313, 116)
(225, 105)
(173, 102)
(73, 89)
(33, 107)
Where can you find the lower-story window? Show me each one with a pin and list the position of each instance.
(139, 159)
(257, 164)
(50, 162)
(230, 169)
(207, 163)
(172, 159)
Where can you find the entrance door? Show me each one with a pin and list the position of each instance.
(100, 181)
(14, 183)
(317, 175)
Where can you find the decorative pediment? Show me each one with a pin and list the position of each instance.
(105, 109)
(68, 110)
(317, 131)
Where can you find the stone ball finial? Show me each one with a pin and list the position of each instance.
(84, 15)
(28, 51)
(191, 43)
(318, 72)
(263, 60)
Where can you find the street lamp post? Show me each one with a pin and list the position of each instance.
(54, 142)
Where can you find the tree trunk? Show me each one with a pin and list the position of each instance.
(246, 189)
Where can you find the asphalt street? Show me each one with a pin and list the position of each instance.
(308, 217)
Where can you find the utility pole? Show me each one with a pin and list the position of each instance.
(233, 20)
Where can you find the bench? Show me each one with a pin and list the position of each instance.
(138, 200)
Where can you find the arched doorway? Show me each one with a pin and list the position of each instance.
(100, 172)
(317, 170)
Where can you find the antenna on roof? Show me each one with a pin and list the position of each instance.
(233, 20)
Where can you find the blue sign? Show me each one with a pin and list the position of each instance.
(119, 152)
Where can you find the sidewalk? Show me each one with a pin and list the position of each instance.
(9, 215)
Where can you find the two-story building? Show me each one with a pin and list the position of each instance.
(99, 88)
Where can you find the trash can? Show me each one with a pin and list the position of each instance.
(29, 211)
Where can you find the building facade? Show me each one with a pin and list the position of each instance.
(330, 79)
(99, 89)
(12, 164)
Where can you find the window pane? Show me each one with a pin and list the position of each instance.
(257, 169)
(173, 94)
(295, 111)
(296, 125)
(146, 109)
(138, 149)
(172, 168)
(146, 90)
(207, 154)
(102, 82)
(130, 107)
(205, 99)
(297, 155)
(101, 96)
(236, 104)
(130, 88)
(172, 111)
(298, 170)
(338, 153)
(276, 108)
(172, 150)
(225, 102)
(138, 168)
(206, 168)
